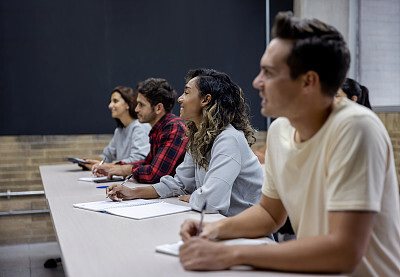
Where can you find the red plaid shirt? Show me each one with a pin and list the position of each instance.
(167, 150)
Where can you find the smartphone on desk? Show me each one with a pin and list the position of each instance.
(77, 160)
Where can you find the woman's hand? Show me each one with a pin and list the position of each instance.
(185, 198)
(117, 192)
(89, 165)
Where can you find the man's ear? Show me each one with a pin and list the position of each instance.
(310, 80)
(206, 99)
(159, 108)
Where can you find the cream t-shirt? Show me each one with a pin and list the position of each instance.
(347, 165)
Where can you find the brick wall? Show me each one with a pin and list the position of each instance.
(392, 124)
(21, 157)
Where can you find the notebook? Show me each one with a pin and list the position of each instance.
(173, 248)
(102, 179)
(136, 209)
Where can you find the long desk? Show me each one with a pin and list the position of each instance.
(99, 244)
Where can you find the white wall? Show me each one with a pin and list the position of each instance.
(372, 30)
(380, 50)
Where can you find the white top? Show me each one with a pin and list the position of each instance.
(128, 144)
(231, 184)
(347, 165)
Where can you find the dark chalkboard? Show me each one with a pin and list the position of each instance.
(60, 59)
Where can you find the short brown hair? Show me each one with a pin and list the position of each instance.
(157, 90)
(316, 46)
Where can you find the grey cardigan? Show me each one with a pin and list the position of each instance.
(231, 184)
(128, 144)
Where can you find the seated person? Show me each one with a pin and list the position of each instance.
(219, 165)
(155, 100)
(351, 89)
(130, 142)
(329, 167)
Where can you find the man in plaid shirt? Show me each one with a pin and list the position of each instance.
(156, 98)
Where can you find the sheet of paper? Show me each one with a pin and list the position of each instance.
(99, 206)
(148, 211)
(101, 179)
(173, 248)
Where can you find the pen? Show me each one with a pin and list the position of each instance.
(94, 172)
(102, 187)
(127, 178)
(123, 183)
(201, 218)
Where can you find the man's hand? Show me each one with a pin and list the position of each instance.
(117, 192)
(120, 170)
(110, 170)
(189, 229)
(201, 254)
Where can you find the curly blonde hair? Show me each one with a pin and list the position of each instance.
(227, 106)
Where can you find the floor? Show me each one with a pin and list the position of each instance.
(26, 260)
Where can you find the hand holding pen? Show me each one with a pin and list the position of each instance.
(96, 167)
(119, 192)
(203, 209)
(195, 228)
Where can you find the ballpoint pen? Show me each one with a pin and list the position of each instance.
(126, 179)
(94, 172)
(201, 218)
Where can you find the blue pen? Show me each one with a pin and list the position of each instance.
(102, 187)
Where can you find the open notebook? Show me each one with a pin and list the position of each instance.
(136, 209)
(173, 248)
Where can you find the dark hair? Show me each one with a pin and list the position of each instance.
(227, 106)
(353, 88)
(316, 46)
(129, 96)
(157, 90)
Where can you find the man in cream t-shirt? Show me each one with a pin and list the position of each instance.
(346, 166)
(329, 167)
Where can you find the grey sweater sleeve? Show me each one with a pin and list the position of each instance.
(224, 167)
(128, 144)
(139, 145)
(110, 151)
(182, 183)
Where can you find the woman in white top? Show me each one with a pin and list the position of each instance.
(219, 166)
(130, 142)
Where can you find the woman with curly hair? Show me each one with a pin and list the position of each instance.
(219, 165)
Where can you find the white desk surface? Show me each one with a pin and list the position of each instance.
(99, 244)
